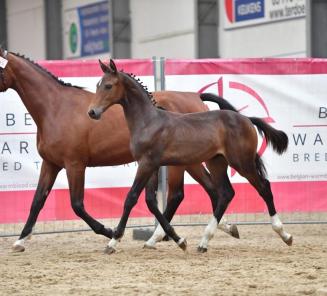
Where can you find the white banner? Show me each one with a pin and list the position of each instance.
(293, 103)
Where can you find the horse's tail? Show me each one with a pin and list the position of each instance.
(222, 103)
(277, 138)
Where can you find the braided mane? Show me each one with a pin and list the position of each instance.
(145, 88)
(46, 71)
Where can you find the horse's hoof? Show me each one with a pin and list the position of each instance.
(289, 241)
(109, 250)
(18, 248)
(148, 246)
(202, 249)
(234, 231)
(182, 244)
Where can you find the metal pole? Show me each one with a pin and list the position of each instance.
(159, 84)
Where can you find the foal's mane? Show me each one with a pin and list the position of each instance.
(45, 71)
(145, 89)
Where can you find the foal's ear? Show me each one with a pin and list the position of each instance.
(113, 66)
(104, 67)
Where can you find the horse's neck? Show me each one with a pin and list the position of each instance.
(36, 89)
(139, 111)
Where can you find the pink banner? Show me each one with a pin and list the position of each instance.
(293, 192)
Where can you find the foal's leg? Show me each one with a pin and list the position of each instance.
(144, 172)
(76, 177)
(218, 170)
(174, 199)
(262, 185)
(176, 195)
(201, 175)
(47, 177)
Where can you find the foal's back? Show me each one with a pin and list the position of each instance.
(197, 137)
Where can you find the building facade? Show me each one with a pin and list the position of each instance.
(87, 29)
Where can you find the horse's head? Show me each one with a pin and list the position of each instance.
(109, 91)
(5, 80)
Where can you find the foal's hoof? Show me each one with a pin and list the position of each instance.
(109, 250)
(18, 248)
(202, 249)
(182, 244)
(289, 241)
(234, 231)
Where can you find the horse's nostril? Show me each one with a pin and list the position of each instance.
(92, 113)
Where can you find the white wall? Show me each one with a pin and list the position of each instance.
(26, 29)
(163, 28)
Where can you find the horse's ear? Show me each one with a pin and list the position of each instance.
(113, 66)
(104, 67)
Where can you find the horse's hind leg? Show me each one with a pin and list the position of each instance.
(253, 173)
(47, 177)
(202, 176)
(218, 170)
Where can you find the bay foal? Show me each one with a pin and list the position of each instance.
(158, 137)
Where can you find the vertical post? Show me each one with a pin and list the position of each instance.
(159, 84)
(3, 24)
(53, 25)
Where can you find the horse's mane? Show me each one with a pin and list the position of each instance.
(139, 82)
(46, 71)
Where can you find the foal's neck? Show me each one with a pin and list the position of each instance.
(138, 108)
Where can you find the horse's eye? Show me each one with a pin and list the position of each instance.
(108, 86)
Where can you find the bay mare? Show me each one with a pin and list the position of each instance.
(68, 138)
(158, 137)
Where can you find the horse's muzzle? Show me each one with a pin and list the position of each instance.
(94, 114)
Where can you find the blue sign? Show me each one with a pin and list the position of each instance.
(94, 28)
(249, 10)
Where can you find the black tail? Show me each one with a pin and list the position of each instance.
(278, 139)
(222, 103)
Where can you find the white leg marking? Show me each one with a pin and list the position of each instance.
(277, 226)
(19, 245)
(113, 243)
(208, 233)
(156, 237)
(224, 226)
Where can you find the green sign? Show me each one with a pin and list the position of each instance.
(73, 37)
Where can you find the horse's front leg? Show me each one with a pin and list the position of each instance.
(76, 178)
(47, 178)
(144, 172)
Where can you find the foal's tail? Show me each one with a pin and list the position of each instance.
(278, 139)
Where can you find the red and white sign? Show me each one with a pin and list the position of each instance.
(288, 93)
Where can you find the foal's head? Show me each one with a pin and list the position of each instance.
(110, 90)
(5, 77)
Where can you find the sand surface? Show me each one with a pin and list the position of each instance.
(257, 264)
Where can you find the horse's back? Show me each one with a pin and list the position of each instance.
(181, 102)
